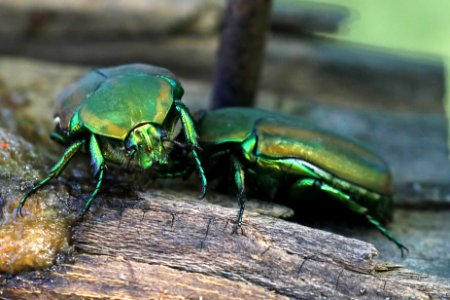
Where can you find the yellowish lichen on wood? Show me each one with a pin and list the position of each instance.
(33, 240)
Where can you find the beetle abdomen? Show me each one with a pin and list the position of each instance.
(279, 136)
(337, 155)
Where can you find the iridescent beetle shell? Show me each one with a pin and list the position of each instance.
(282, 136)
(125, 115)
(286, 155)
(112, 101)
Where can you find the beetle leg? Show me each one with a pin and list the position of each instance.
(175, 174)
(218, 154)
(98, 166)
(192, 137)
(54, 172)
(201, 173)
(59, 137)
(352, 205)
(239, 179)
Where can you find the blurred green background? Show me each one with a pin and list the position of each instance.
(417, 26)
(404, 27)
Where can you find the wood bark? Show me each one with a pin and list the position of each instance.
(169, 245)
(352, 74)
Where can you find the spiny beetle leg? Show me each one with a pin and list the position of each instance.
(96, 190)
(192, 137)
(201, 173)
(54, 172)
(59, 138)
(353, 206)
(403, 249)
(237, 227)
(98, 166)
(239, 180)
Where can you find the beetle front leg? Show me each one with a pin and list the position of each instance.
(59, 138)
(175, 171)
(98, 166)
(239, 180)
(355, 207)
(192, 138)
(175, 174)
(54, 172)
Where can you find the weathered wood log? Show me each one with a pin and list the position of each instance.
(170, 245)
(48, 18)
(308, 18)
(424, 195)
(352, 75)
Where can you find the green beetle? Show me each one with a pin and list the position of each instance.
(270, 152)
(124, 115)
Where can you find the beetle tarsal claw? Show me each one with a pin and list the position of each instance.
(19, 211)
(404, 251)
(202, 193)
(236, 228)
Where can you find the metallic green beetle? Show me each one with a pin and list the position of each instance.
(278, 153)
(124, 115)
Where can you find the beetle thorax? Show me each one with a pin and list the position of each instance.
(145, 145)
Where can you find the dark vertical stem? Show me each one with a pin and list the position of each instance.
(240, 53)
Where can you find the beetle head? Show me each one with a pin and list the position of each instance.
(145, 145)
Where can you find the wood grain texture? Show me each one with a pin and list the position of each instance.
(169, 245)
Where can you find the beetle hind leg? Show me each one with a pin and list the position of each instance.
(403, 249)
(54, 172)
(355, 207)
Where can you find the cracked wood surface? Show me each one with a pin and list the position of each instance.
(170, 245)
